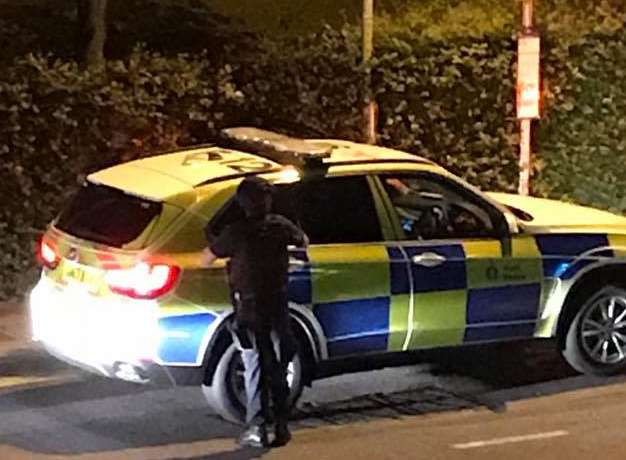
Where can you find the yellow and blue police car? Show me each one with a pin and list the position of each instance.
(403, 256)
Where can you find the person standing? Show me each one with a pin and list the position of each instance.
(258, 275)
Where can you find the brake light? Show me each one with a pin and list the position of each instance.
(47, 255)
(143, 281)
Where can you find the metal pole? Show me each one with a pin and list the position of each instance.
(368, 30)
(371, 110)
(527, 15)
(525, 161)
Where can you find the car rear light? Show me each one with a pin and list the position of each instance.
(47, 256)
(143, 281)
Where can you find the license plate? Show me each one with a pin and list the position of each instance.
(78, 274)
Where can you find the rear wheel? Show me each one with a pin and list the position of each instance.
(227, 395)
(596, 338)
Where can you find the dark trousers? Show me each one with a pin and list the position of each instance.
(267, 346)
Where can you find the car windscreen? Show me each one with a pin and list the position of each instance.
(107, 215)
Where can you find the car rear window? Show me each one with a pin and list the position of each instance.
(107, 215)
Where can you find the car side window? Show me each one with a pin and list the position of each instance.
(329, 210)
(338, 210)
(430, 208)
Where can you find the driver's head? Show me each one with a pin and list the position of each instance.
(254, 195)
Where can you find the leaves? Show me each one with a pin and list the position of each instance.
(61, 122)
(452, 101)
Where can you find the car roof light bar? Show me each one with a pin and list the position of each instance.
(276, 147)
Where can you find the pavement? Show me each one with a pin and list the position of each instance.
(513, 401)
(14, 325)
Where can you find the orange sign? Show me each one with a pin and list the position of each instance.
(528, 77)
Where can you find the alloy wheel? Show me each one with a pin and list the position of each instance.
(603, 330)
(237, 380)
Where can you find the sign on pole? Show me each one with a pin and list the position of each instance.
(528, 77)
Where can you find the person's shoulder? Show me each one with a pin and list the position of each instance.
(278, 219)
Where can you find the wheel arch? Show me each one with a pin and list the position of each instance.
(595, 278)
(306, 328)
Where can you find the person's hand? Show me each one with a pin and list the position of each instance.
(207, 258)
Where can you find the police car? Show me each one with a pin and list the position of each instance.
(403, 256)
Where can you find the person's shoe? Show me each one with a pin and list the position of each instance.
(281, 435)
(254, 436)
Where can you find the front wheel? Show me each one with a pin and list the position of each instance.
(227, 395)
(596, 338)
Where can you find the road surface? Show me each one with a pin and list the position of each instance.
(513, 401)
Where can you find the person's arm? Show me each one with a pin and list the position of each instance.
(221, 247)
(296, 237)
(208, 257)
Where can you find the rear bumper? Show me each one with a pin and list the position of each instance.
(110, 337)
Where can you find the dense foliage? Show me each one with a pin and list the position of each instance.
(449, 99)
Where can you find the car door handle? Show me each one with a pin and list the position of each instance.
(428, 259)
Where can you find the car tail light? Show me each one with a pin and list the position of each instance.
(47, 255)
(143, 281)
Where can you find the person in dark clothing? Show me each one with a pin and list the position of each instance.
(258, 276)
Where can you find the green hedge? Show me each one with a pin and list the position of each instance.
(61, 122)
(583, 138)
(452, 101)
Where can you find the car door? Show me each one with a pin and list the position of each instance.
(346, 273)
(471, 281)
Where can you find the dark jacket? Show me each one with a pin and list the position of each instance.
(259, 260)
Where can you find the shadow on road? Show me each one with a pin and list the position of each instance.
(29, 362)
(241, 454)
(500, 365)
(66, 383)
(505, 372)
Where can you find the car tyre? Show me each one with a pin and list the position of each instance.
(226, 395)
(595, 341)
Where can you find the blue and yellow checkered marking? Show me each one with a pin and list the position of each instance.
(400, 274)
(346, 284)
(504, 304)
(353, 298)
(564, 256)
(181, 337)
(361, 294)
(449, 276)
(504, 293)
(355, 326)
(562, 253)
(476, 287)
(438, 319)
(439, 301)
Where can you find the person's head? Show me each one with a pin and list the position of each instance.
(254, 195)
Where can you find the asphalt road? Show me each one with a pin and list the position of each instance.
(514, 401)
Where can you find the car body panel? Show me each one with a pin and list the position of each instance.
(167, 175)
(352, 298)
(551, 216)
